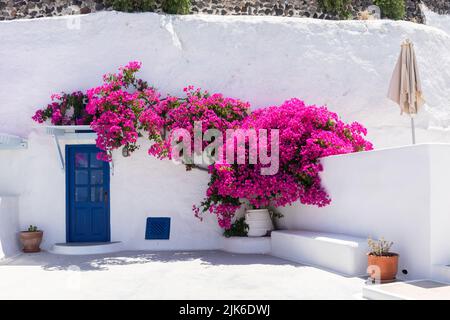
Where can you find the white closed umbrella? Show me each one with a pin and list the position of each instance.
(405, 88)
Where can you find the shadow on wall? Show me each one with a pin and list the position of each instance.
(51, 262)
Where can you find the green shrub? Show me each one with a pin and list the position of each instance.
(238, 229)
(132, 5)
(392, 9)
(32, 228)
(176, 6)
(341, 8)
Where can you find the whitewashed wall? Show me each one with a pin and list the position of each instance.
(265, 60)
(400, 194)
(144, 186)
(141, 187)
(440, 204)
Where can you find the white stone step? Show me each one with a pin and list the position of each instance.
(248, 245)
(342, 253)
(409, 290)
(82, 248)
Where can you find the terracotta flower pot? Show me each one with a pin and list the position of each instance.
(383, 268)
(31, 240)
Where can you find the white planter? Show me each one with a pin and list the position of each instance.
(259, 222)
(247, 245)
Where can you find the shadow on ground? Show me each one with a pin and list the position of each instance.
(52, 262)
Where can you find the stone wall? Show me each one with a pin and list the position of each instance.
(17, 9)
(438, 6)
(297, 8)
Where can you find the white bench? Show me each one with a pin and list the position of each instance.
(338, 252)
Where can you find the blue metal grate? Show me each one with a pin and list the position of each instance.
(157, 228)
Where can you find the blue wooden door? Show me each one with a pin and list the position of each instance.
(87, 195)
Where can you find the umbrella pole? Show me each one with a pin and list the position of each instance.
(413, 129)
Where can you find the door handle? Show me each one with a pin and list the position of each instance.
(105, 196)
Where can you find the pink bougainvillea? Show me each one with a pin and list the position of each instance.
(65, 109)
(117, 106)
(213, 111)
(125, 108)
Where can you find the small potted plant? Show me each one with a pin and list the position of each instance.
(382, 264)
(31, 239)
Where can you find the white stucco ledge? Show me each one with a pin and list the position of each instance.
(247, 245)
(81, 248)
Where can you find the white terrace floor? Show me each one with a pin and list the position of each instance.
(169, 275)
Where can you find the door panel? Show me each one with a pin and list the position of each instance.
(87, 194)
